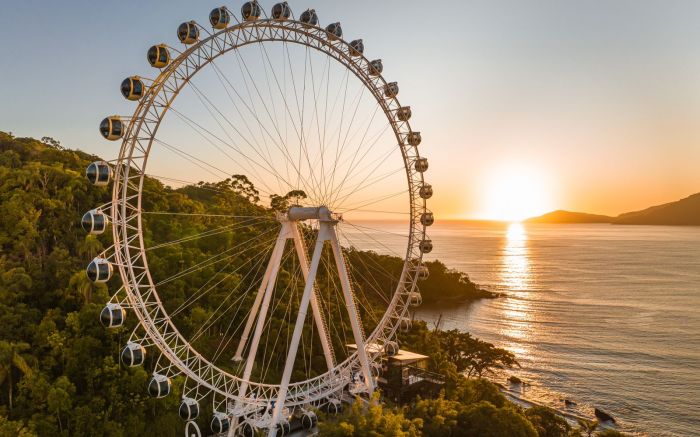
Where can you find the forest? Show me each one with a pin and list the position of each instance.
(60, 373)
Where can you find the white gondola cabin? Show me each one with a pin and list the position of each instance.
(414, 138)
(415, 299)
(375, 67)
(133, 354)
(158, 56)
(132, 88)
(99, 270)
(159, 386)
(189, 409)
(251, 11)
(403, 113)
(426, 191)
(427, 219)
(423, 272)
(220, 423)
(309, 17)
(334, 31)
(421, 165)
(281, 11)
(99, 173)
(94, 222)
(219, 18)
(391, 90)
(426, 246)
(357, 48)
(188, 32)
(405, 324)
(112, 315)
(309, 420)
(391, 348)
(112, 128)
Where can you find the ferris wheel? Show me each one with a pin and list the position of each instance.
(255, 132)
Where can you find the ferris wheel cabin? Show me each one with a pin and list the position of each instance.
(219, 18)
(251, 11)
(98, 173)
(112, 315)
(309, 17)
(159, 386)
(133, 354)
(188, 32)
(132, 88)
(334, 31)
(281, 11)
(112, 128)
(220, 423)
(158, 56)
(99, 270)
(189, 409)
(94, 222)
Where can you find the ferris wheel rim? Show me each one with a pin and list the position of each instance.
(123, 181)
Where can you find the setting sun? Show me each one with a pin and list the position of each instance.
(514, 193)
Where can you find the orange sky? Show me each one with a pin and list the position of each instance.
(524, 107)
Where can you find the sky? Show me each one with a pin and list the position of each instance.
(524, 106)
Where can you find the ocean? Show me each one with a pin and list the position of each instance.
(607, 316)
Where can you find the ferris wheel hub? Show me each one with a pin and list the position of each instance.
(322, 213)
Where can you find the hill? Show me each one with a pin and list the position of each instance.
(561, 216)
(59, 368)
(684, 212)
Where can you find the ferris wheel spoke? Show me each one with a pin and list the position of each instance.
(340, 126)
(299, 131)
(369, 236)
(201, 130)
(365, 184)
(365, 272)
(211, 320)
(211, 260)
(351, 166)
(188, 157)
(228, 87)
(198, 294)
(208, 104)
(282, 148)
(204, 234)
(371, 201)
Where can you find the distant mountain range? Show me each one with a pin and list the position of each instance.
(684, 212)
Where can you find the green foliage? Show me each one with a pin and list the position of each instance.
(547, 422)
(59, 369)
(454, 353)
(370, 420)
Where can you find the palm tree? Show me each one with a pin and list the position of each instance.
(10, 359)
(588, 426)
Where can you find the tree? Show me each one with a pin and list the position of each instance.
(548, 422)
(370, 419)
(588, 426)
(483, 419)
(11, 358)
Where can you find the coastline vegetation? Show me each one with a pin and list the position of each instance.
(59, 368)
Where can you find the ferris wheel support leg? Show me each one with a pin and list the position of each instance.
(323, 235)
(275, 261)
(315, 307)
(256, 306)
(352, 311)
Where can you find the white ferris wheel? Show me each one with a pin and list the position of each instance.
(287, 132)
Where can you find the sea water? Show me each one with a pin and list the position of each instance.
(607, 316)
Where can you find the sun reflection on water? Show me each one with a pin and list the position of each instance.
(515, 277)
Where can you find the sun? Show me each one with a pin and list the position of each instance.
(515, 192)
